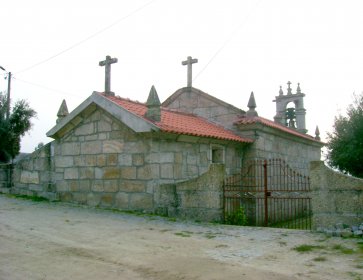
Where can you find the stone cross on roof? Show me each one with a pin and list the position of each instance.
(289, 88)
(189, 62)
(107, 63)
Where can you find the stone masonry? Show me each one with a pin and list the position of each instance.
(102, 162)
(336, 198)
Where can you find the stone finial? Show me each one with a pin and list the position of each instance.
(63, 111)
(281, 91)
(298, 90)
(153, 106)
(317, 133)
(289, 88)
(251, 106)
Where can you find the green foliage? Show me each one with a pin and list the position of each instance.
(345, 143)
(238, 218)
(12, 128)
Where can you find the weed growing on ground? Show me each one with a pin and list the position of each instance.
(307, 248)
(238, 218)
(343, 249)
(182, 234)
(320, 259)
(355, 275)
(210, 236)
(28, 197)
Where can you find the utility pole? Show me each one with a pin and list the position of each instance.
(8, 93)
(8, 97)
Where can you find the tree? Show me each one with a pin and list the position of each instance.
(12, 128)
(345, 143)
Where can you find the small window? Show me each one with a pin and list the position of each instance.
(217, 154)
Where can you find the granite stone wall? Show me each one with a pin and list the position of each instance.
(295, 151)
(5, 175)
(336, 198)
(32, 175)
(199, 199)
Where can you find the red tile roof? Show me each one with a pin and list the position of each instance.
(180, 123)
(266, 122)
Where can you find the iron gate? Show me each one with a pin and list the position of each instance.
(269, 193)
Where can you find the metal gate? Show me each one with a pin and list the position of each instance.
(268, 193)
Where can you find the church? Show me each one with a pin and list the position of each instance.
(169, 157)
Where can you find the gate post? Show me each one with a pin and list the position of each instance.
(265, 190)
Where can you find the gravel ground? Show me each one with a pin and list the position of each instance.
(42, 240)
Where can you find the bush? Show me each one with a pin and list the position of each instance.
(238, 218)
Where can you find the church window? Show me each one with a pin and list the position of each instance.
(217, 154)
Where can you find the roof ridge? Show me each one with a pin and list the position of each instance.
(276, 125)
(162, 107)
(124, 98)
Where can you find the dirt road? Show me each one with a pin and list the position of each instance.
(41, 240)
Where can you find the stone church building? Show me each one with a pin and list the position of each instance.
(169, 158)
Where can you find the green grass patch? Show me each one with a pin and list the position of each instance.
(360, 246)
(355, 275)
(209, 235)
(307, 248)
(319, 259)
(343, 250)
(28, 197)
(302, 222)
(182, 234)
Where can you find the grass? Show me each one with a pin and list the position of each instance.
(320, 259)
(303, 223)
(28, 197)
(343, 249)
(360, 246)
(210, 236)
(355, 275)
(307, 248)
(182, 234)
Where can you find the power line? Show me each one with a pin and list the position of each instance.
(87, 38)
(227, 41)
(45, 87)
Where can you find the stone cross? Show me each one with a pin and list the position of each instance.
(288, 87)
(107, 63)
(189, 62)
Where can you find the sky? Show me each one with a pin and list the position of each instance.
(53, 49)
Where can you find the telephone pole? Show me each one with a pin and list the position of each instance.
(8, 94)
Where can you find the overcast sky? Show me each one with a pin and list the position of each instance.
(53, 49)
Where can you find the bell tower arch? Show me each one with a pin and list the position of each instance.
(291, 117)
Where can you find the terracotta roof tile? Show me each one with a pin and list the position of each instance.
(173, 121)
(267, 122)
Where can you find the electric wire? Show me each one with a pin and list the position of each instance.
(226, 41)
(45, 87)
(87, 38)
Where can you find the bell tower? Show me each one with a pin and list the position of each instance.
(291, 117)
